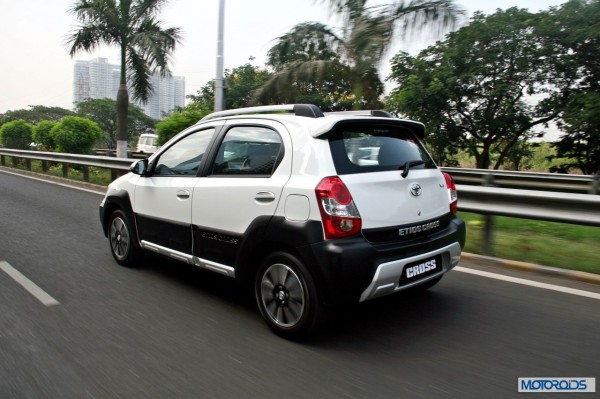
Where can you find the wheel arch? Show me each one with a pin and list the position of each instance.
(248, 268)
(280, 235)
(113, 201)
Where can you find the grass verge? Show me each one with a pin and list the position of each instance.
(566, 246)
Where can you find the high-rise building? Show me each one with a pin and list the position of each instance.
(98, 79)
(169, 92)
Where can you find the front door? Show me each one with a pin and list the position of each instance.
(163, 200)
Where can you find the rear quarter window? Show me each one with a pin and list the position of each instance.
(368, 148)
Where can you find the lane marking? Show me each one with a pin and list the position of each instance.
(530, 283)
(29, 285)
(87, 190)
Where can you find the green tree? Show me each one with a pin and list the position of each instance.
(145, 46)
(475, 88)
(543, 157)
(41, 134)
(312, 52)
(205, 96)
(35, 114)
(570, 34)
(180, 119)
(240, 83)
(16, 134)
(104, 113)
(309, 70)
(520, 154)
(76, 135)
(581, 143)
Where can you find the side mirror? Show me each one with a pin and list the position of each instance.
(139, 167)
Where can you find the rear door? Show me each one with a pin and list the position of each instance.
(241, 188)
(394, 182)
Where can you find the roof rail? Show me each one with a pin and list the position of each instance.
(372, 112)
(308, 110)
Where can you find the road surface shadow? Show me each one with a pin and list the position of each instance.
(434, 315)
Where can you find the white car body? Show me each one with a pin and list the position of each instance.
(284, 201)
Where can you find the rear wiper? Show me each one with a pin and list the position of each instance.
(406, 167)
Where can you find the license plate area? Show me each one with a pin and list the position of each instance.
(423, 268)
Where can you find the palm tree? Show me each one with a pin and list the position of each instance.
(311, 51)
(145, 46)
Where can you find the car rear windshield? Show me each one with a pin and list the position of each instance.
(374, 148)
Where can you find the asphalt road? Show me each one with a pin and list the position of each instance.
(167, 330)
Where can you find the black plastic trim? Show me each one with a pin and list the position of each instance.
(294, 232)
(384, 114)
(347, 266)
(168, 234)
(408, 232)
(417, 128)
(112, 201)
(268, 232)
(308, 110)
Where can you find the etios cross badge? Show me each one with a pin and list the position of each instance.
(415, 189)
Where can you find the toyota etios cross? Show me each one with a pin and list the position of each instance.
(311, 209)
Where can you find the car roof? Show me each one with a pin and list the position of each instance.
(318, 123)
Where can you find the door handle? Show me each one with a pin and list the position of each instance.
(183, 194)
(264, 197)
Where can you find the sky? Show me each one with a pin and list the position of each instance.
(36, 69)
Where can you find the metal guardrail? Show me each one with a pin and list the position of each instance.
(480, 191)
(115, 165)
(72, 159)
(582, 209)
(528, 195)
(556, 182)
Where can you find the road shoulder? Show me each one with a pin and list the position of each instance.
(550, 275)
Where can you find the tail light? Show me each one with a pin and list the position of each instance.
(338, 212)
(452, 195)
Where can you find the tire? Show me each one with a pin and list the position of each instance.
(122, 240)
(287, 297)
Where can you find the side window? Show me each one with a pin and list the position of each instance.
(183, 158)
(248, 150)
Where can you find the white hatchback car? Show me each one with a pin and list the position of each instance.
(147, 143)
(281, 201)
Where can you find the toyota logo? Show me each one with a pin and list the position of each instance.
(415, 189)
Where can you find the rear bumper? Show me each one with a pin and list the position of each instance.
(387, 276)
(356, 270)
